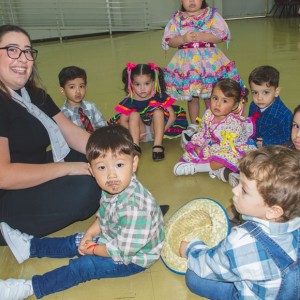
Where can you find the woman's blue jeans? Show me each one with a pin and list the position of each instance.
(211, 289)
(80, 269)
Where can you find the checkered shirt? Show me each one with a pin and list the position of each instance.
(90, 110)
(241, 259)
(131, 225)
(274, 123)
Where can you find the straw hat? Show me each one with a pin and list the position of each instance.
(200, 219)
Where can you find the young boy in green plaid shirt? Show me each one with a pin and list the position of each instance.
(126, 237)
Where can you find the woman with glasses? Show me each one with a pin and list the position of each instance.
(40, 191)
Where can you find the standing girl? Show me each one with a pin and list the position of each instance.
(146, 105)
(223, 137)
(198, 64)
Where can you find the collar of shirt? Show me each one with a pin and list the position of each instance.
(76, 108)
(275, 228)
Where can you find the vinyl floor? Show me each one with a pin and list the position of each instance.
(255, 42)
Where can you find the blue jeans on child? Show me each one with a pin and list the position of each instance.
(80, 269)
(211, 289)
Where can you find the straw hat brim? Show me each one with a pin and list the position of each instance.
(200, 219)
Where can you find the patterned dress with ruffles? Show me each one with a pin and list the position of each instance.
(224, 142)
(146, 109)
(196, 67)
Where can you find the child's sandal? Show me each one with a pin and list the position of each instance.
(157, 156)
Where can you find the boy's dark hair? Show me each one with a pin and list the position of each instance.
(143, 69)
(265, 74)
(231, 88)
(204, 5)
(115, 138)
(276, 170)
(71, 73)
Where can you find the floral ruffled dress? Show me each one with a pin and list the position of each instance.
(194, 70)
(224, 142)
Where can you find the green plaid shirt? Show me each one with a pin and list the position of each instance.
(131, 225)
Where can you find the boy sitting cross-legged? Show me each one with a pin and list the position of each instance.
(260, 258)
(126, 237)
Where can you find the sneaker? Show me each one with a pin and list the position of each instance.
(18, 242)
(185, 168)
(15, 289)
(234, 179)
(187, 134)
(218, 174)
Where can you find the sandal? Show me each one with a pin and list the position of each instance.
(157, 156)
(138, 149)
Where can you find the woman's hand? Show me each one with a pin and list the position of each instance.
(77, 168)
(183, 246)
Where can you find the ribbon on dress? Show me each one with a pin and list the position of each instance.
(229, 136)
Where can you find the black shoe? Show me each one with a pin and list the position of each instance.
(164, 209)
(157, 156)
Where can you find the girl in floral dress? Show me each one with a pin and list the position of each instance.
(223, 137)
(199, 63)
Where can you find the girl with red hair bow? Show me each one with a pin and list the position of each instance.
(147, 111)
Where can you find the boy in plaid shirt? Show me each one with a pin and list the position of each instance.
(126, 238)
(260, 258)
(273, 118)
(73, 85)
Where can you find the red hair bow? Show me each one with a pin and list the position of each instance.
(130, 66)
(152, 66)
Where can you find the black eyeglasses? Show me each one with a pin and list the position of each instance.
(15, 52)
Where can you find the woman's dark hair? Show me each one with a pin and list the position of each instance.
(204, 5)
(34, 77)
(143, 69)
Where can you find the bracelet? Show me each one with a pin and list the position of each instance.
(92, 246)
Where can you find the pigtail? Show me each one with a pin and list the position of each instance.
(156, 70)
(129, 68)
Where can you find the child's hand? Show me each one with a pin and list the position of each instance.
(190, 36)
(197, 149)
(86, 247)
(182, 248)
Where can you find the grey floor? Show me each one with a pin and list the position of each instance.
(255, 42)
